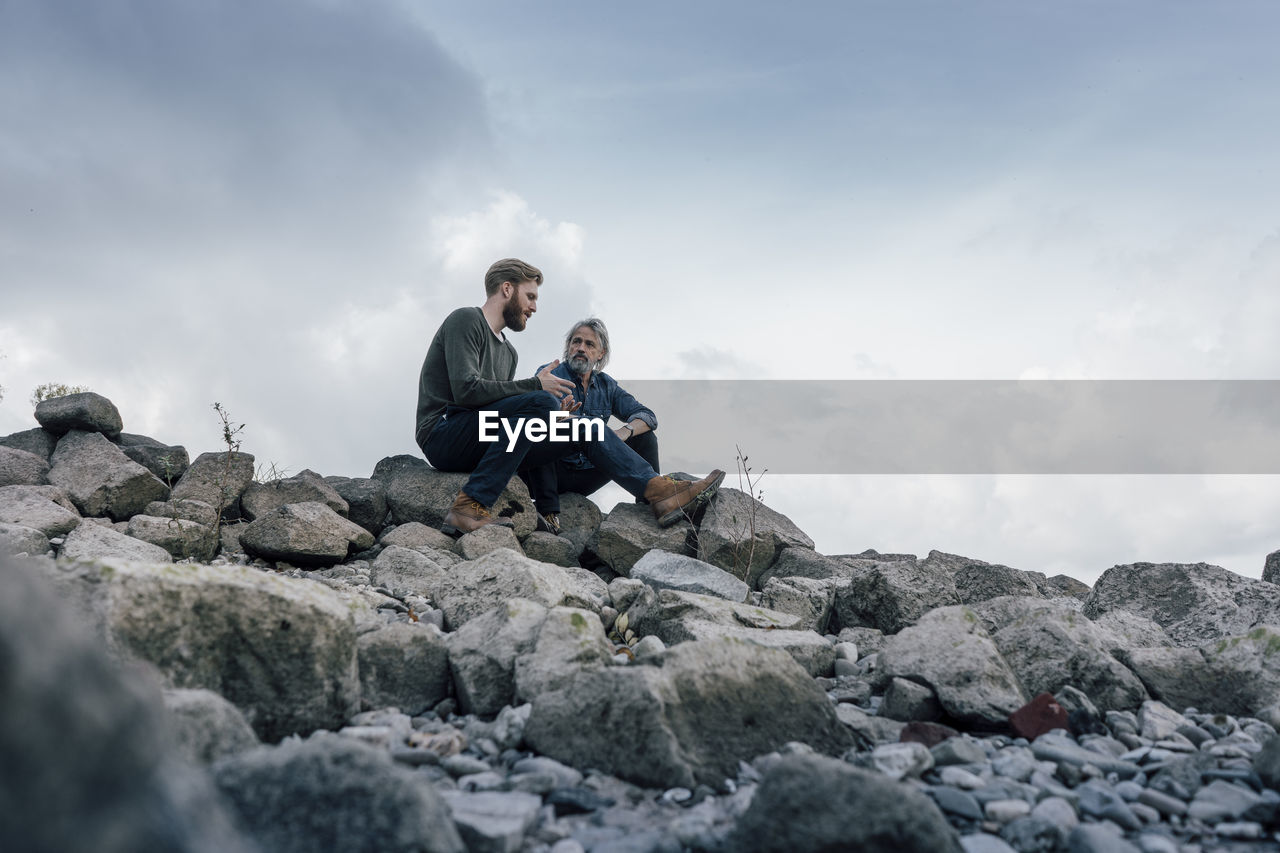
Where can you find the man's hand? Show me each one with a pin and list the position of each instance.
(568, 404)
(560, 387)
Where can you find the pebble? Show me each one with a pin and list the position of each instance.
(1003, 811)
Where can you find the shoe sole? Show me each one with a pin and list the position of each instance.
(688, 509)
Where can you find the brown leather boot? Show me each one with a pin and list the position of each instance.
(468, 514)
(673, 500)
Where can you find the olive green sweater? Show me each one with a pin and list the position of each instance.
(466, 365)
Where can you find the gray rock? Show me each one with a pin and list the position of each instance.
(549, 548)
(419, 537)
(1123, 630)
(977, 580)
(418, 492)
(38, 441)
(282, 650)
(1096, 838)
(493, 821)
(664, 570)
(1267, 764)
(167, 462)
(1049, 646)
(217, 479)
(902, 760)
(869, 730)
(100, 479)
(191, 510)
(404, 665)
(586, 589)
(487, 539)
(16, 539)
(568, 641)
(96, 542)
(366, 500)
(483, 653)
(403, 570)
(1193, 602)
(85, 411)
(182, 539)
(808, 598)
(1271, 569)
(82, 741)
(981, 842)
(478, 586)
(260, 499)
(892, 595)
(1058, 746)
(801, 562)
(20, 468)
(579, 519)
(207, 727)
(306, 534)
(630, 531)
(1064, 585)
(1234, 675)
(690, 717)
(334, 793)
(906, 701)
(1220, 800)
(857, 810)
(950, 652)
(743, 536)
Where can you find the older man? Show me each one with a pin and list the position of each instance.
(598, 395)
(468, 377)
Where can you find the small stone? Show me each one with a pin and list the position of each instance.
(961, 778)
(1057, 811)
(956, 802)
(901, 760)
(929, 734)
(981, 842)
(1003, 811)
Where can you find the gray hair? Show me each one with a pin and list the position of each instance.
(596, 325)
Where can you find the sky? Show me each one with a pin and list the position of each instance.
(272, 206)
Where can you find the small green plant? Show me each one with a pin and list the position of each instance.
(49, 390)
(747, 530)
(232, 439)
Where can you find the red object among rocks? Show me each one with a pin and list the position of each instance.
(1038, 716)
(929, 734)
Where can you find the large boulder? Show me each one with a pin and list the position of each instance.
(483, 652)
(92, 541)
(403, 570)
(630, 531)
(87, 765)
(949, 651)
(167, 462)
(38, 441)
(568, 641)
(664, 570)
(16, 539)
(260, 499)
(1236, 675)
(181, 538)
(282, 649)
(100, 479)
(478, 586)
(334, 793)
(856, 810)
(741, 535)
(308, 534)
(20, 468)
(978, 580)
(366, 500)
(1049, 645)
(808, 598)
(579, 519)
(403, 665)
(43, 508)
(1193, 602)
(690, 717)
(799, 562)
(418, 492)
(419, 537)
(85, 411)
(1271, 569)
(893, 594)
(217, 479)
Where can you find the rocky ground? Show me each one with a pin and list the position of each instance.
(192, 660)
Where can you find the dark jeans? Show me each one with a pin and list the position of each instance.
(548, 482)
(455, 445)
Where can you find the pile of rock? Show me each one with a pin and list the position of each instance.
(338, 673)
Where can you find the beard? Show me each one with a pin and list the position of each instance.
(580, 364)
(512, 316)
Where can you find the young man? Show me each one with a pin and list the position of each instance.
(469, 369)
(597, 395)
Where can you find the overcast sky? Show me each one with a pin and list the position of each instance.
(273, 205)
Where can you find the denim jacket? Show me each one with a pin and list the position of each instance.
(603, 398)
